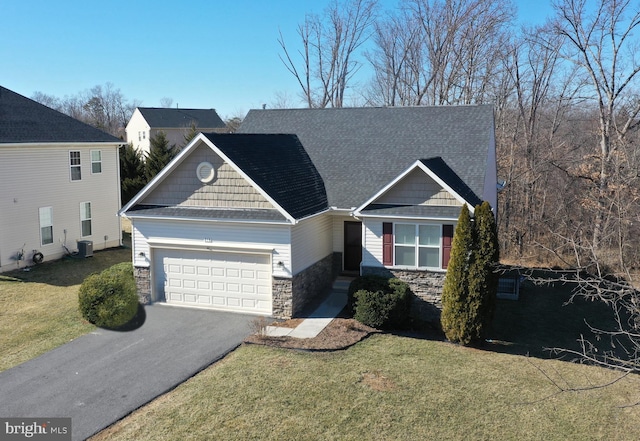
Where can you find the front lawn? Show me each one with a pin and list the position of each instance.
(39, 307)
(387, 388)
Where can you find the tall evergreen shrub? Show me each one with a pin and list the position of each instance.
(455, 314)
(483, 278)
(160, 154)
(471, 283)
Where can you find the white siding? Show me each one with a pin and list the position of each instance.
(311, 241)
(138, 124)
(38, 176)
(491, 178)
(372, 242)
(338, 231)
(212, 235)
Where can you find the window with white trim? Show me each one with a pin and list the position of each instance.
(96, 161)
(417, 245)
(75, 165)
(85, 218)
(45, 215)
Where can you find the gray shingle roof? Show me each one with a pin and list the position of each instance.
(359, 150)
(23, 120)
(164, 118)
(412, 211)
(209, 213)
(280, 166)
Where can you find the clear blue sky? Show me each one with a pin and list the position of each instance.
(201, 53)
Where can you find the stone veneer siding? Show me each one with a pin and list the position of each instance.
(142, 275)
(291, 295)
(425, 285)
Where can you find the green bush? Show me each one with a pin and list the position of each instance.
(386, 306)
(366, 283)
(109, 299)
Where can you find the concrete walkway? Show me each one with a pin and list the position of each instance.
(321, 317)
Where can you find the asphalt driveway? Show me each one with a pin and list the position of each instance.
(100, 377)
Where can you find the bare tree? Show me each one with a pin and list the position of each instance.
(166, 102)
(596, 227)
(329, 48)
(435, 52)
(104, 107)
(603, 47)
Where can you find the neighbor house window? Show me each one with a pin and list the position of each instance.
(74, 164)
(85, 218)
(96, 161)
(46, 225)
(418, 246)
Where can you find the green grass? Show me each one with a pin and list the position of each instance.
(386, 388)
(39, 308)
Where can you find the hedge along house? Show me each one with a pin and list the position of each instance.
(261, 222)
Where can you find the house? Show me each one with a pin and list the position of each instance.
(60, 184)
(263, 220)
(146, 122)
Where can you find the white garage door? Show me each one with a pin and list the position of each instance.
(218, 280)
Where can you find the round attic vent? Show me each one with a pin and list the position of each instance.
(205, 172)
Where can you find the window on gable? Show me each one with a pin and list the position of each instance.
(139, 136)
(96, 161)
(417, 246)
(85, 218)
(144, 134)
(75, 165)
(46, 225)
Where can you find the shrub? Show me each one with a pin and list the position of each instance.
(386, 307)
(109, 299)
(367, 283)
(471, 283)
(455, 315)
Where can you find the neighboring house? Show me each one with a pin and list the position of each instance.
(146, 122)
(261, 223)
(60, 184)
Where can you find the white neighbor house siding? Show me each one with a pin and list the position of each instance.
(137, 124)
(38, 176)
(311, 241)
(261, 238)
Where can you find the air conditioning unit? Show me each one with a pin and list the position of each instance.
(85, 248)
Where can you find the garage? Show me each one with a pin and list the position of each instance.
(228, 281)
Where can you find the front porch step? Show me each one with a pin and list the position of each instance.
(342, 283)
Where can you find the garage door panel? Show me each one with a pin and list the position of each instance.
(227, 281)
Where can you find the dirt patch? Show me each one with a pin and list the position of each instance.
(340, 333)
(377, 381)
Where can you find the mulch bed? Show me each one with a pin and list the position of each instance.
(341, 333)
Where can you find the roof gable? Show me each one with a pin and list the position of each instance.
(279, 165)
(425, 183)
(276, 166)
(23, 120)
(183, 188)
(165, 118)
(359, 150)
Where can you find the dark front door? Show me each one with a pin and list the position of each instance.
(352, 246)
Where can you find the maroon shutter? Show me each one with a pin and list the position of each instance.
(387, 243)
(447, 240)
